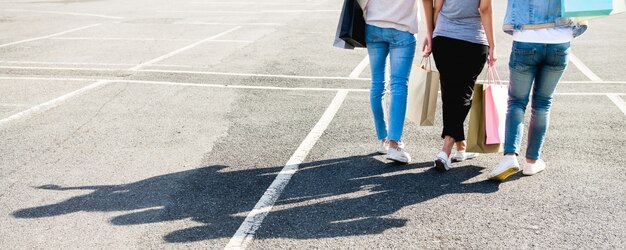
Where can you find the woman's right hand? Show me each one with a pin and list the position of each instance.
(427, 45)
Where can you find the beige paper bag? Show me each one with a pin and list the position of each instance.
(422, 94)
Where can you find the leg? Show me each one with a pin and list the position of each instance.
(377, 50)
(402, 52)
(523, 67)
(459, 64)
(545, 85)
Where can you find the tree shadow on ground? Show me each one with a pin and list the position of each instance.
(328, 198)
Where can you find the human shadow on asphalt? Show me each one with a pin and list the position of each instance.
(329, 198)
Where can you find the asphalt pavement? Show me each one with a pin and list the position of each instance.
(212, 124)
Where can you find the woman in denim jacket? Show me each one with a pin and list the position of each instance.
(541, 48)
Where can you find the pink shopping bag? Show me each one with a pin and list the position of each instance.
(496, 94)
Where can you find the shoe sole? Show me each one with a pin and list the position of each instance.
(461, 160)
(502, 176)
(531, 174)
(396, 160)
(439, 165)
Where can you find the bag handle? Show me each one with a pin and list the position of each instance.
(427, 65)
(492, 76)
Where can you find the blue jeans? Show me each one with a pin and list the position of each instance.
(544, 65)
(400, 46)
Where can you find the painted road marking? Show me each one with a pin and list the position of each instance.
(253, 221)
(234, 24)
(168, 55)
(15, 105)
(52, 103)
(359, 68)
(190, 72)
(146, 39)
(583, 68)
(100, 64)
(186, 84)
(619, 102)
(63, 13)
(49, 36)
(249, 12)
(254, 3)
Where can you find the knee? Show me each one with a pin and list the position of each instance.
(377, 89)
(542, 104)
(518, 103)
(399, 87)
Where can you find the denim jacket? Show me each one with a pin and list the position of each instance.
(539, 14)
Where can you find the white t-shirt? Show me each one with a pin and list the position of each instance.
(398, 14)
(549, 35)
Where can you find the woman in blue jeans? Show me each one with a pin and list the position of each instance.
(538, 59)
(390, 29)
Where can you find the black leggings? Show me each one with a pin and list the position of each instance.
(459, 63)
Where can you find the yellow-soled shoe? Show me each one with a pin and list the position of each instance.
(507, 167)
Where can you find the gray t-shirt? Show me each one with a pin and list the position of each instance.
(460, 19)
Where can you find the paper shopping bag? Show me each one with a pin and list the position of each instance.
(495, 100)
(422, 95)
(476, 137)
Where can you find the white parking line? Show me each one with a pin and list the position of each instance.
(121, 39)
(260, 87)
(255, 75)
(240, 86)
(52, 103)
(49, 36)
(583, 68)
(359, 68)
(14, 105)
(146, 39)
(186, 84)
(249, 12)
(253, 221)
(168, 55)
(255, 3)
(211, 73)
(618, 101)
(190, 72)
(100, 64)
(63, 13)
(234, 24)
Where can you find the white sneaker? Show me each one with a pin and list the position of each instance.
(532, 169)
(383, 147)
(462, 156)
(398, 155)
(442, 162)
(507, 166)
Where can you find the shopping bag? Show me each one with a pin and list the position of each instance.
(619, 6)
(351, 27)
(476, 137)
(422, 94)
(587, 8)
(495, 100)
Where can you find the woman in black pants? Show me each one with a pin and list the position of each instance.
(463, 39)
